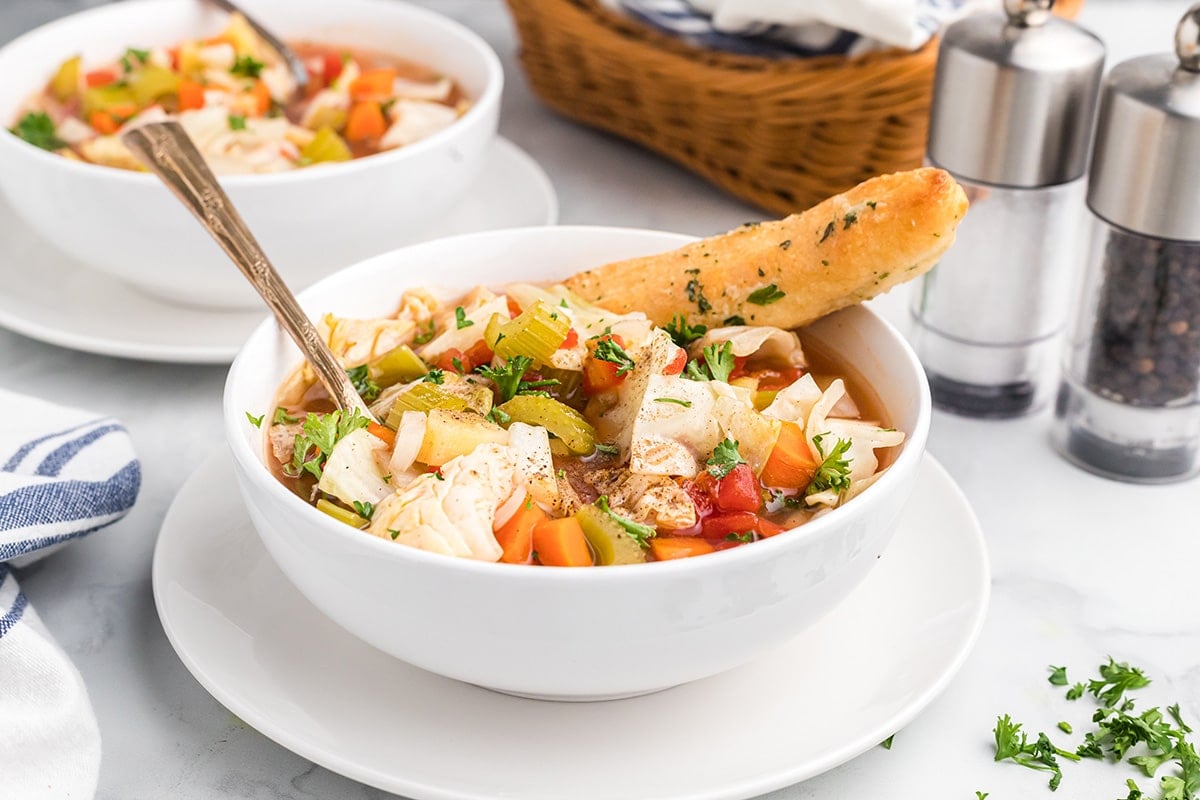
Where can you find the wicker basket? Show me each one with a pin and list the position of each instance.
(781, 134)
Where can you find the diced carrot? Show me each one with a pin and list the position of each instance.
(515, 536)
(365, 121)
(382, 432)
(122, 111)
(767, 529)
(191, 95)
(100, 77)
(262, 97)
(561, 543)
(666, 548)
(514, 308)
(791, 464)
(104, 122)
(374, 84)
(601, 376)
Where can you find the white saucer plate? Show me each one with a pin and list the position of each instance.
(840, 688)
(50, 297)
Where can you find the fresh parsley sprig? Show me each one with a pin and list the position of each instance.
(366, 387)
(683, 334)
(613, 353)
(508, 378)
(39, 130)
(312, 446)
(718, 363)
(724, 458)
(834, 471)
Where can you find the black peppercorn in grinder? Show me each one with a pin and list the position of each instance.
(1013, 105)
(1129, 403)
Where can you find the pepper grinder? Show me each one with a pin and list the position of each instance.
(1129, 404)
(1013, 106)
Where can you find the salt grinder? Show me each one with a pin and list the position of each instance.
(1013, 105)
(1129, 404)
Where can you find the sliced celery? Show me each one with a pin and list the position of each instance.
(150, 83)
(401, 365)
(569, 383)
(609, 541)
(65, 83)
(762, 399)
(328, 117)
(341, 514)
(536, 332)
(492, 332)
(423, 397)
(326, 146)
(561, 420)
(103, 98)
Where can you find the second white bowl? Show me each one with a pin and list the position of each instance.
(310, 221)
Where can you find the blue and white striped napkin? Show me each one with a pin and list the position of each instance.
(64, 473)
(790, 28)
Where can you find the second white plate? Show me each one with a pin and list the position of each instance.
(840, 688)
(50, 297)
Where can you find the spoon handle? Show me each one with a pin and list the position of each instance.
(167, 150)
(295, 65)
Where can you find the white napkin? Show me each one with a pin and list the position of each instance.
(802, 27)
(64, 473)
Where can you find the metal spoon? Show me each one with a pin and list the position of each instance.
(166, 149)
(295, 65)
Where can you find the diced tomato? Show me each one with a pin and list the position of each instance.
(767, 529)
(513, 307)
(333, 66)
(770, 380)
(100, 77)
(446, 361)
(718, 526)
(174, 54)
(739, 490)
(701, 498)
(479, 354)
(571, 340)
(677, 364)
(739, 367)
(601, 376)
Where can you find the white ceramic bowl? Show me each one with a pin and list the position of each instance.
(311, 221)
(553, 632)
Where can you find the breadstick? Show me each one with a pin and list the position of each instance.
(843, 251)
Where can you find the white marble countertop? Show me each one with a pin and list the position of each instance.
(1083, 567)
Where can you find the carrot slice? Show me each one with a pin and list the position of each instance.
(382, 432)
(373, 84)
(191, 95)
(561, 543)
(99, 77)
(515, 537)
(666, 548)
(262, 97)
(791, 464)
(104, 122)
(366, 121)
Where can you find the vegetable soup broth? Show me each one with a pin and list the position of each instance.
(235, 98)
(459, 402)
